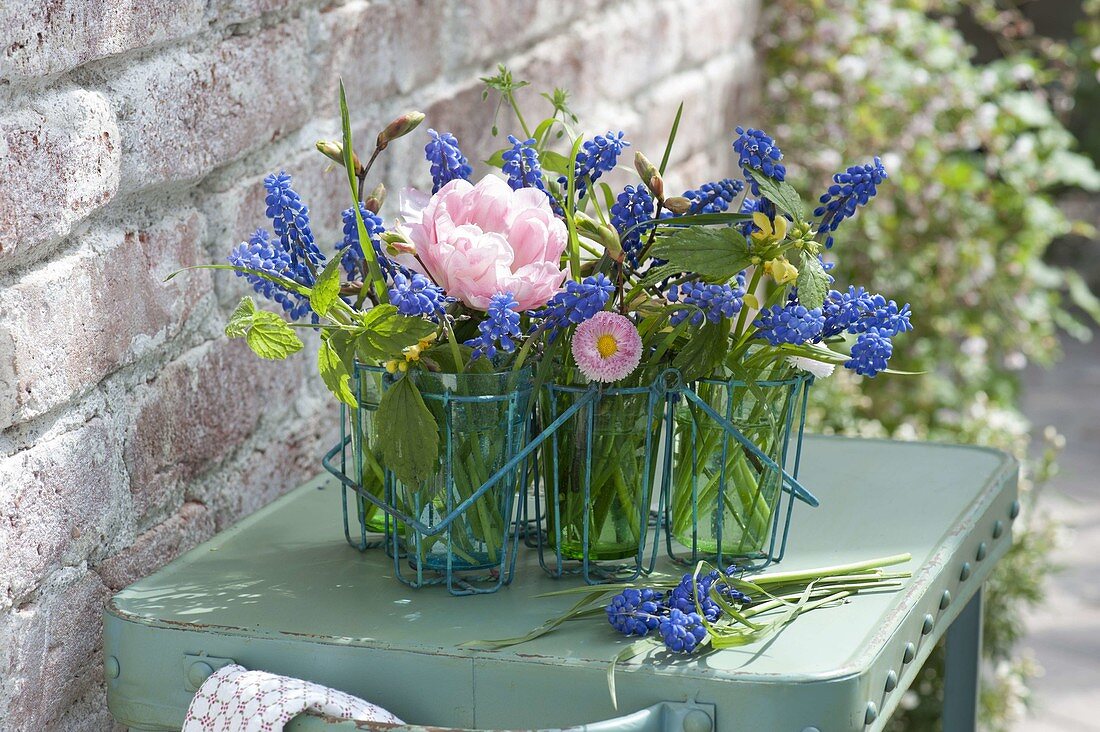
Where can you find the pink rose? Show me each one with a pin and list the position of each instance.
(478, 240)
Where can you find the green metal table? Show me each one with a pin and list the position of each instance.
(283, 592)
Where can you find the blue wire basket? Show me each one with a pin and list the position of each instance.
(731, 469)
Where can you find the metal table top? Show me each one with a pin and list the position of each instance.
(282, 591)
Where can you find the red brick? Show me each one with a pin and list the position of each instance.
(213, 104)
(194, 414)
(68, 323)
(58, 502)
(50, 651)
(45, 37)
(191, 525)
(60, 162)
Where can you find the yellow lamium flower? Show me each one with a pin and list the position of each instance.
(768, 230)
(781, 270)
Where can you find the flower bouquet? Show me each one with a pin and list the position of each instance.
(642, 326)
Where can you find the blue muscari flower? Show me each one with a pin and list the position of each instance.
(633, 206)
(790, 323)
(713, 197)
(576, 304)
(681, 631)
(290, 219)
(500, 326)
(521, 165)
(843, 309)
(853, 188)
(416, 295)
(683, 596)
(883, 316)
(870, 353)
(353, 253)
(448, 162)
(714, 302)
(758, 155)
(596, 157)
(260, 253)
(635, 612)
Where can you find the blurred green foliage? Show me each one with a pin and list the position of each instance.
(975, 154)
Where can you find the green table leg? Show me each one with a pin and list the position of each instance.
(961, 668)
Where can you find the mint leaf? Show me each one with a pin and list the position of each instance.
(711, 253)
(406, 433)
(385, 333)
(241, 318)
(269, 336)
(783, 195)
(334, 373)
(326, 289)
(812, 282)
(266, 333)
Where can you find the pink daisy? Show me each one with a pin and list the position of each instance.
(607, 347)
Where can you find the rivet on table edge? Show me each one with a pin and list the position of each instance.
(998, 528)
(198, 673)
(111, 667)
(909, 654)
(929, 623)
(891, 681)
(945, 600)
(696, 720)
(981, 551)
(872, 713)
(964, 574)
(810, 729)
(1014, 510)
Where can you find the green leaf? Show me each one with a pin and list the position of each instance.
(270, 337)
(443, 355)
(283, 282)
(496, 160)
(241, 319)
(385, 333)
(326, 289)
(555, 162)
(266, 333)
(334, 373)
(373, 269)
(704, 351)
(812, 283)
(407, 433)
(782, 194)
(671, 138)
(713, 253)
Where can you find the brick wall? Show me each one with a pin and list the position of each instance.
(134, 136)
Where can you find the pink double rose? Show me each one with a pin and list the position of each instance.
(478, 240)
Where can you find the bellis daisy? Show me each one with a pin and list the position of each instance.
(607, 347)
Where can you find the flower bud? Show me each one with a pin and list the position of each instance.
(376, 198)
(602, 234)
(650, 176)
(678, 204)
(334, 151)
(400, 127)
(396, 243)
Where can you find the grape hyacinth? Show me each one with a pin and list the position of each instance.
(290, 219)
(870, 353)
(352, 253)
(713, 197)
(792, 323)
(883, 316)
(758, 155)
(681, 631)
(633, 206)
(596, 157)
(714, 302)
(683, 596)
(261, 254)
(500, 326)
(416, 295)
(448, 162)
(635, 612)
(576, 304)
(853, 188)
(843, 309)
(521, 165)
